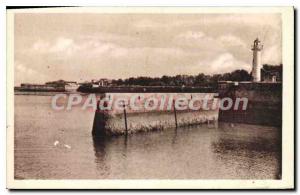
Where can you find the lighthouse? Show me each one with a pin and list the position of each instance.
(256, 64)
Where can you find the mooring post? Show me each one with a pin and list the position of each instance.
(97, 121)
(125, 118)
(175, 115)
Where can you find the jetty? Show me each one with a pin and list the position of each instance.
(153, 111)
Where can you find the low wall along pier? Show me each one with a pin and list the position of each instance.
(141, 112)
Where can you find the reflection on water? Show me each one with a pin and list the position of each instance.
(202, 152)
(195, 152)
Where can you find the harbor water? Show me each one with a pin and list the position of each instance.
(53, 144)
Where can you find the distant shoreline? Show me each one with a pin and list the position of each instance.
(44, 93)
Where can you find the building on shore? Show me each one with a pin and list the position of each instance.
(271, 73)
(57, 86)
(67, 85)
(102, 82)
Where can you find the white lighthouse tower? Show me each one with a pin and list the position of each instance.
(257, 48)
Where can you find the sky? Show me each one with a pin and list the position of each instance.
(84, 46)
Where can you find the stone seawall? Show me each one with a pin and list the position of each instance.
(264, 103)
(127, 120)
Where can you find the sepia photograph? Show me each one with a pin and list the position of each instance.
(150, 98)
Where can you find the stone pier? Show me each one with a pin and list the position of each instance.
(163, 116)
